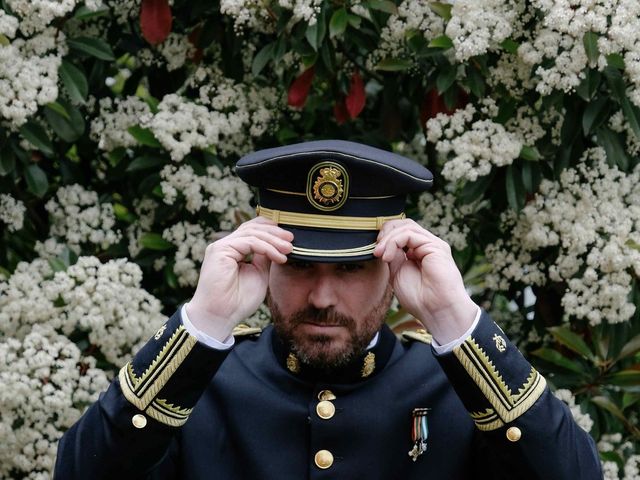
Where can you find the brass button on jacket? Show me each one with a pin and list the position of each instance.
(326, 395)
(323, 459)
(513, 434)
(325, 409)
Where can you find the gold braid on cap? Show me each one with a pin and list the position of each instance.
(312, 220)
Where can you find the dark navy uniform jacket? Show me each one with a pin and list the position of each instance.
(180, 410)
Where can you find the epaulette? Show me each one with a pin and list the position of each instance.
(243, 331)
(419, 335)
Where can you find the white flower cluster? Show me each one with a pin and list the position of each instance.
(103, 300)
(174, 51)
(11, 212)
(441, 216)
(220, 192)
(226, 116)
(613, 442)
(45, 385)
(306, 10)
(618, 123)
(415, 17)
(36, 15)
(476, 26)
(592, 217)
(28, 71)
(191, 240)
(109, 128)
(248, 14)
(146, 211)
(78, 217)
(583, 420)
(472, 147)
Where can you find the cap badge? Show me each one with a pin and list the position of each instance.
(327, 186)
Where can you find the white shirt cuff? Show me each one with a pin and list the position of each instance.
(448, 347)
(203, 337)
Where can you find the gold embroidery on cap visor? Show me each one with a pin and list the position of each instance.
(327, 186)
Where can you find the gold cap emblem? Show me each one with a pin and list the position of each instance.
(327, 186)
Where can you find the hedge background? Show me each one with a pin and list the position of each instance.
(120, 120)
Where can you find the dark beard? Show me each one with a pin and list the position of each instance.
(317, 351)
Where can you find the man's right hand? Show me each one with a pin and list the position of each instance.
(234, 276)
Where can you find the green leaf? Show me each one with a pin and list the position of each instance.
(262, 58)
(530, 153)
(92, 46)
(556, 358)
(595, 114)
(624, 378)
(144, 136)
(619, 91)
(442, 41)
(616, 60)
(630, 348)
(122, 213)
(315, 33)
(69, 127)
(170, 276)
(74, 81)
(515, 189)
(84, 13)
(59, 109)
(590, 41)
(36, 179)
(572, 341)
(338, 23)
(510, 46)
(355, 21)
(629, 399)
(589, 85)
(616, 151)
(607, 404)
(445, 79)
(7, 161)
(476, 82)
(441, 9)
(394, 64)
(37, 136)
(472, 191)
(57, 265)
(145, 162)
(154, 241)
(383, 6)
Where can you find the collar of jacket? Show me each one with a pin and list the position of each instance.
(363, 367)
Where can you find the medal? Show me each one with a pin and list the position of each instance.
(419, 432)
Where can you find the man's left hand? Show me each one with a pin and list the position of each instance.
(425, 279)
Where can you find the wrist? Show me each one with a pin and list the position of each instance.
(208, 323)
(450, 323)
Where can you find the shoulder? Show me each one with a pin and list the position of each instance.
(412, 336)
(244, 331)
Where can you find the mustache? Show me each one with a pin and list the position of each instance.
(324, 316)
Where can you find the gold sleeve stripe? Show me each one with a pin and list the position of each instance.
(508, 405)
(167, 413)
(140, 391)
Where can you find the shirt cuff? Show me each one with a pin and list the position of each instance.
(203, 337)
(448, 347)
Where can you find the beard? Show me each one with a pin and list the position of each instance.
(324, 352)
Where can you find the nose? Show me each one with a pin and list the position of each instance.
(323, 293)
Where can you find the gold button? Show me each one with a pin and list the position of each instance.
(139, 421)
(323, 459)
(513, 434)
(326, 395)
(325, 409)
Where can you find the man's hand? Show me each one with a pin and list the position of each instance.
(425, 279)
(230, 287)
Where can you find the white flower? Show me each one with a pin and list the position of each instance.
(78, 218)
(12, 212)
(583, 420)
(191, 240)
(116, 116)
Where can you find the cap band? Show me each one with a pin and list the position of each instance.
(325, 221)
(345, 252)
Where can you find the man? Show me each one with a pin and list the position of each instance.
(328, 391)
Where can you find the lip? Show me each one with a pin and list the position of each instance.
(320, 327)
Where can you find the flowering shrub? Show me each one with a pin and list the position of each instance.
(120, 121)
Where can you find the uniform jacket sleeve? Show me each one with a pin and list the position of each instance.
(134, 424)
(526, 431)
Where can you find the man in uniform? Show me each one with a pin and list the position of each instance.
(328, 391)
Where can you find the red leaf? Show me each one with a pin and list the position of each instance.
(194, 38)
(433, 104)
(299, 89)
(356, 97)
(340, 112)
(155, 20)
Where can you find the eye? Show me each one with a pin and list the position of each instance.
(298, 265)
(350, 267)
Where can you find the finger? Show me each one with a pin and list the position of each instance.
(400, 239)
(244, 246)
(266, 226)
(283, 245)
(396, 262)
